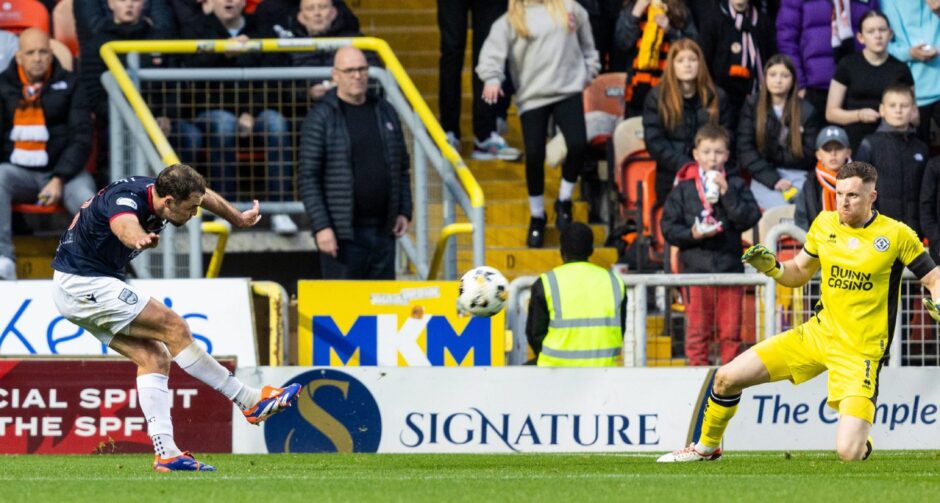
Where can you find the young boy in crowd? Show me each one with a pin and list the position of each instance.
(819, 192)
(703, 216)
(898, 155)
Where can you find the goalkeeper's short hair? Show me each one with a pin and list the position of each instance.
(863, 170)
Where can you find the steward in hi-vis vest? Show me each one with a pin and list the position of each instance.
(577, 310)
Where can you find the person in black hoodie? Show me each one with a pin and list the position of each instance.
(898, 155)
(775, 136)
(46, 138)
(684, 101)
(736, 39)
(704, 216)
(226, 109)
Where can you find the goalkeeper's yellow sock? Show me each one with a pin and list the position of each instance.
(718, 411)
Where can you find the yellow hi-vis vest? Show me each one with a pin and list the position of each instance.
(584, 316)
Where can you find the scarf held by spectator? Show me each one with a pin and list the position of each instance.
(751, 63)
(827, 180)
(29, 133)
(652, 40)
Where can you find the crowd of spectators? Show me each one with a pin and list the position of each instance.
(772, 73)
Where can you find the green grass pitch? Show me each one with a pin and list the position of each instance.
(772, 476)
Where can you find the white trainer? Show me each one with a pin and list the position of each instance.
(7, 268)
(493, 148)
(689, 453)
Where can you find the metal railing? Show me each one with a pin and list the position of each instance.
(137, 142)
(775, 308)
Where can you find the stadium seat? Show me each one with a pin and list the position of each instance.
(786, 247)
(605, 94)
(18, 15)
(37, 209)
(63, 25)
(628, 139)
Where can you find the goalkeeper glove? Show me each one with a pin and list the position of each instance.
(932, 308)
(763, 260)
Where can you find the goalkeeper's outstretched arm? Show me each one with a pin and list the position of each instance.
(792, 273)
(798, 270)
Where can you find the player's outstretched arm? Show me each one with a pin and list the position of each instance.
(132, 235)
(240, 219)
(792, 273)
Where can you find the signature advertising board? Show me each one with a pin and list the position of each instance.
(470, 410)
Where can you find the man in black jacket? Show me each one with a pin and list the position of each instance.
(353, 175)
(46, 138)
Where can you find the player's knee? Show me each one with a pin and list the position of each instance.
(156, 359)
(851, 451)
(177, 331)
(725, 382)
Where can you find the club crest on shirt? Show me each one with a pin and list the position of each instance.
(882, 243)
(128, 297)
(126, 201)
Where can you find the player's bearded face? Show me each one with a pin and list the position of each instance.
(179, 212)
(854, 199)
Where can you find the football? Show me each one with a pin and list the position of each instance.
(483, 292)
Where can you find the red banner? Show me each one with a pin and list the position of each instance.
(64, 406)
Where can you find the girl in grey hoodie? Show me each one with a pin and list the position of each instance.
(551, 55)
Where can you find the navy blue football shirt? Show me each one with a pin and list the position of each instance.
(89, 247)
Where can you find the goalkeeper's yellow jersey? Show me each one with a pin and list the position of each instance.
(861, 277)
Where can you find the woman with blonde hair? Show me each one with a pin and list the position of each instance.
(776, 135)
(551, 55)
(685, 100)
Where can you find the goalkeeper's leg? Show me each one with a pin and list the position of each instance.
(853, 440)
(744, 371)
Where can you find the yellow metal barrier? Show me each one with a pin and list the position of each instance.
(277, 323)
(446, 233)
(222, 230)
(110, 50)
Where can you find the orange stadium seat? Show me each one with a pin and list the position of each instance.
(37, 209)
(18, 15)
(605, 94)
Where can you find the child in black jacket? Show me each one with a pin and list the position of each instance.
(704, 216)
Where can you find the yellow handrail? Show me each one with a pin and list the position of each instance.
(110, 50)
(223, 230)
(276, 297)
(446, 233)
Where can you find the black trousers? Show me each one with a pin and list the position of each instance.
(569, 117)
(452, 21)
(369, 255)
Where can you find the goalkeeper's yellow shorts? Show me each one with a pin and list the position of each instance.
(805, 351)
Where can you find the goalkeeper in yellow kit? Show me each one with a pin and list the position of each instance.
(862, 255)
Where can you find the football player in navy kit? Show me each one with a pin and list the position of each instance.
(112, 228)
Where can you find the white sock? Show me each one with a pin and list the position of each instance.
(537, 206)
(704, 449)
(154, 397)
(199, 364)
(565, 190)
